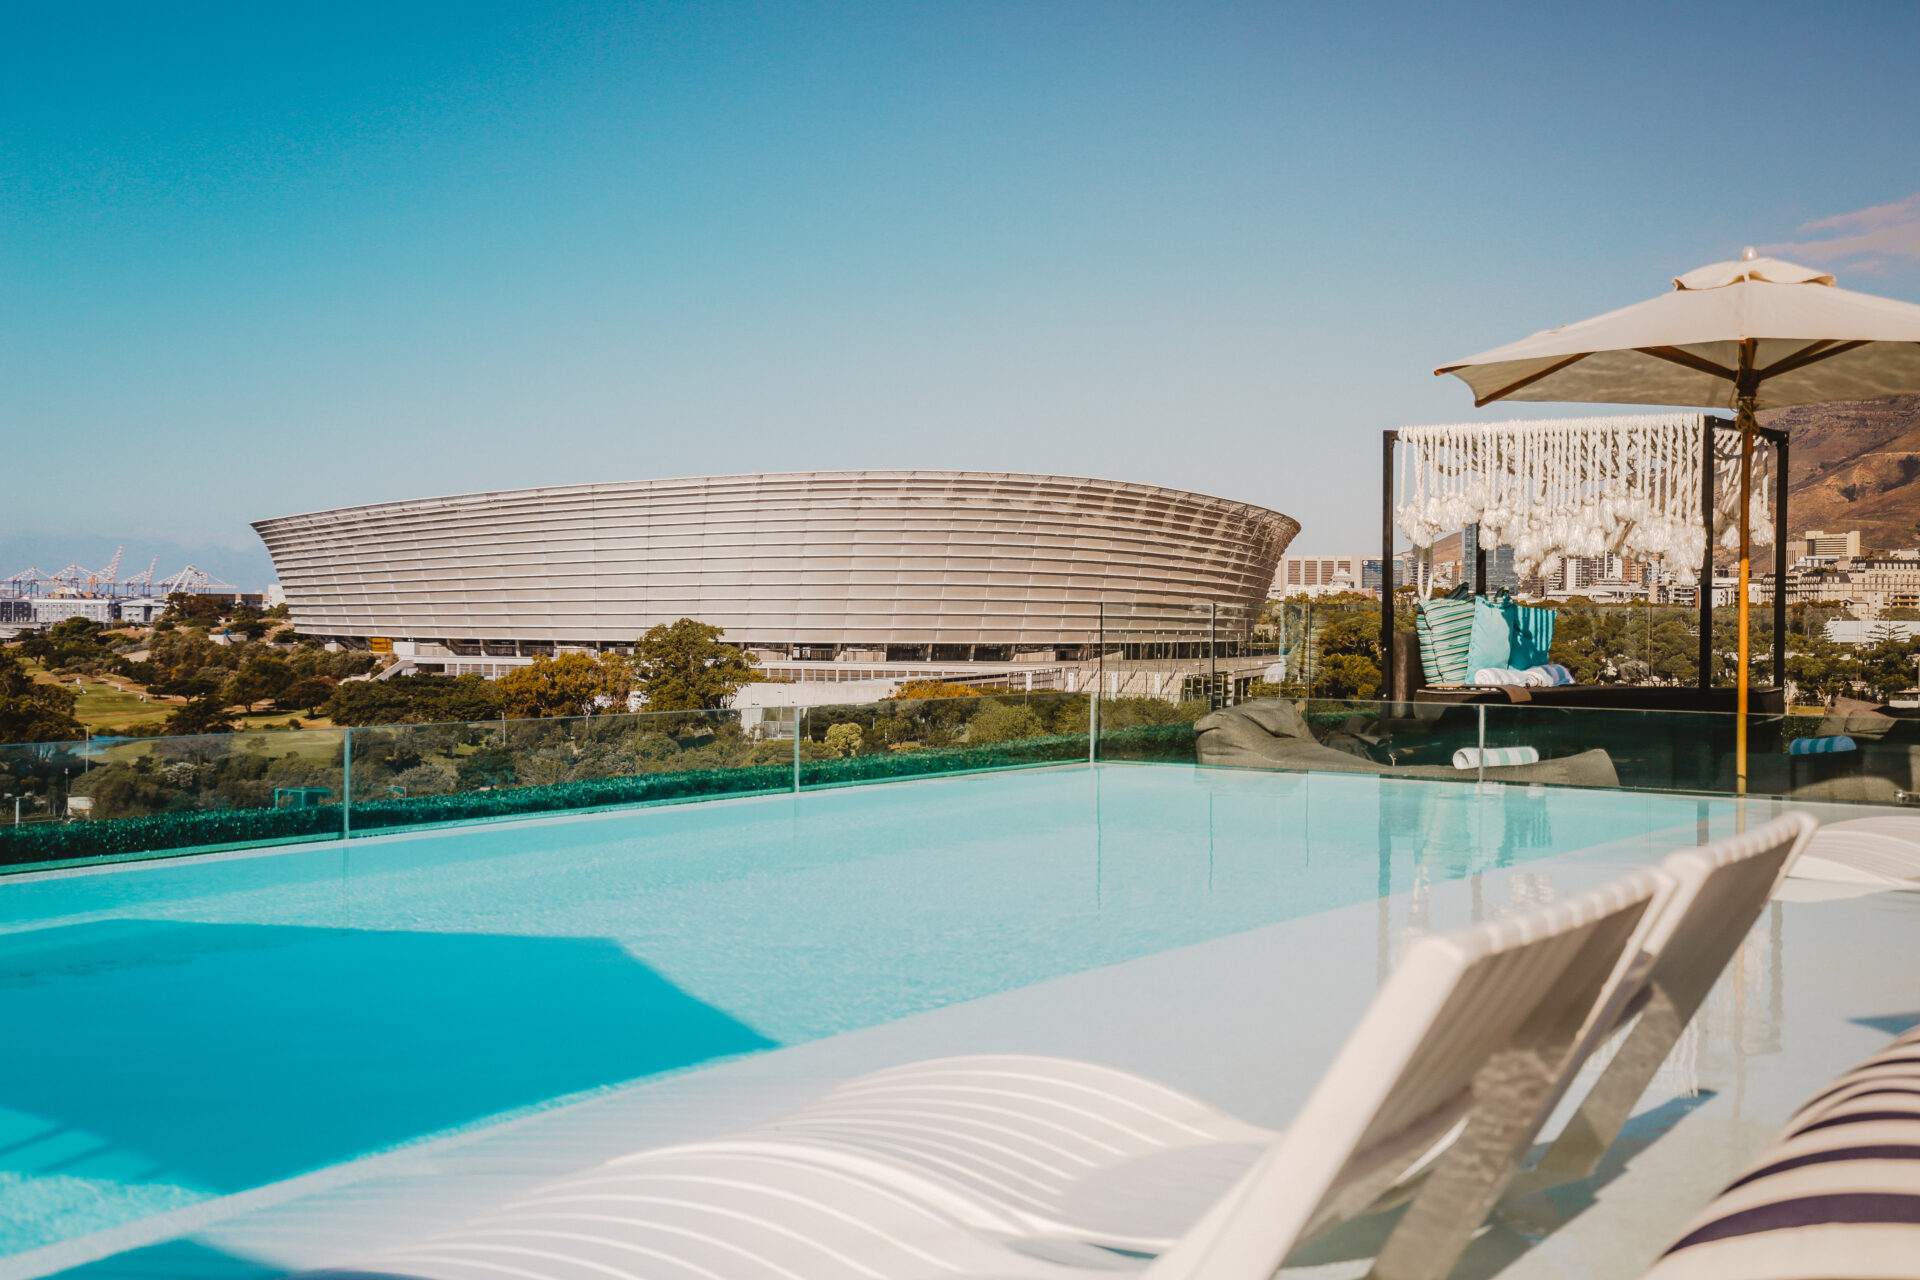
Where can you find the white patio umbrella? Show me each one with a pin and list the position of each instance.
(1749, 335)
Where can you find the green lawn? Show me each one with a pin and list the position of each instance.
(105, 709)
(320, 748)
(102, 708)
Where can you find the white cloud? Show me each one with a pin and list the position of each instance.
(1868, 240)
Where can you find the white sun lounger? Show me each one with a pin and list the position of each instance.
(1470, 1033)
(1883, 852)
(1721, 890)
(1049, 1148)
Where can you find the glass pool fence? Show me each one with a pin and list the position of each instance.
(112, 799)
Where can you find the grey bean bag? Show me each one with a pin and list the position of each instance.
(1270, 733)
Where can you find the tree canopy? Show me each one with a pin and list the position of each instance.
(914, 690)
(423, 698)
(683, 666)
(570, 684)
(205, 714)
(32, 711)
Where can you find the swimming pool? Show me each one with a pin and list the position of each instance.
(188, 1029)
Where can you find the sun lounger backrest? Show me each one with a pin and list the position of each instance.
(1719, 890)
(1471, 1025)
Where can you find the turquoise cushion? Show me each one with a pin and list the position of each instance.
(1532, 636)
(1490, 637)
(1505, 634)
(1444, 628)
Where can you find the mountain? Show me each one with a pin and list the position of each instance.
(1855, 465)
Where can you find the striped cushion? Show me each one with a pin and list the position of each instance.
(1445, 628)
(1836, 1193)
(1820, 746)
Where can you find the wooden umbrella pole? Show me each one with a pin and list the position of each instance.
(1744, 388)
(1746, 564)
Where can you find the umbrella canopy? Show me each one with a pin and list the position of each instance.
(1807, 340)
(1753, 334)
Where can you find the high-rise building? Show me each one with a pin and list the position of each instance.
(1843, 545)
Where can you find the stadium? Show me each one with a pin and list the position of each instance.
(826, 575)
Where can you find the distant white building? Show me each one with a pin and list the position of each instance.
(1320, 575)
(48, 610)
(1856, 631)
(144, 610)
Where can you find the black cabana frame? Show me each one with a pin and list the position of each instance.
(1772, 435)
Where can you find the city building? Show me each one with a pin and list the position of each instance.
(1844, 545)
(1325, 575)
(1821, 545)
(1887, 580)
(48, 610)
(1859, 631)
(144, 610)
(827, 576)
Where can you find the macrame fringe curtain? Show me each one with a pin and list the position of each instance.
(1627, 486)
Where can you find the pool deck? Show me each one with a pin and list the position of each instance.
(1822, 981)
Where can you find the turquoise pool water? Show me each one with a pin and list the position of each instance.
(188, 1029)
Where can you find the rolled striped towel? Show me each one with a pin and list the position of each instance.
(1821, 746)
(1836, 1193)
(1493, 757)
(1555, 673)
(1500, 676)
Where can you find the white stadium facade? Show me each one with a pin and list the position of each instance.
(838, 575)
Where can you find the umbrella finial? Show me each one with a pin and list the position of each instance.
(1748, 254)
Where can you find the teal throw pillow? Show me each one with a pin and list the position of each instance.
(1490, 637)
(1506, 634)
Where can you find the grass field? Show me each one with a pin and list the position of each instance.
(108, 705)
(320, 747)
(103, 708)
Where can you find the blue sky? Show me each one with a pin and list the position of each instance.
(264, 259)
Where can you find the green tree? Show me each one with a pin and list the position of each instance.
(71, 643)
(683, 666)
(425, 698)
(259, 680)
(916, 690)
(1346, 663)
(1004, 722)
(310, 694)
(249, 622)
(1674, 651)
(190, 608)
(571, 684)
(1346, 675)
(205, 714)
(31, 711)
(844, 739)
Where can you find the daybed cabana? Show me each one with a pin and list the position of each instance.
(1640, 486)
